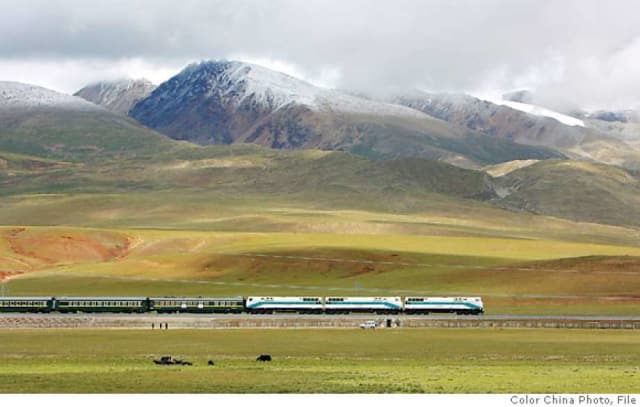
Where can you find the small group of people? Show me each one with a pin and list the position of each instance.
(166, 325)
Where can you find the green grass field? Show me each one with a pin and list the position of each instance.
(522, 276)
(341, 361)
(179, 219)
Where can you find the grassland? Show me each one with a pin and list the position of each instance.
(520, 275)
(244, 219)
(419, 360)
(567, 189)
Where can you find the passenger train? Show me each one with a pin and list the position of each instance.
(251, 305)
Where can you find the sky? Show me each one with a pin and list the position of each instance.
(571, 53)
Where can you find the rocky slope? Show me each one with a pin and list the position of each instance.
(118, 96)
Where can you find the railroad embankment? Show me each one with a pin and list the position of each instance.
(165, 322)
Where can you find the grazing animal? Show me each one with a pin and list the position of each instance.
(211, 363)
(164, 360)
(168, 360)
(264, 358)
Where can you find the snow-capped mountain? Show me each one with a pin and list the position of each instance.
(526, 101)
(502, 119)
(539, 111)
(230, 101)
(119, 96)
(44, 123)
(526, 125)
(16, 95)
(243, 83)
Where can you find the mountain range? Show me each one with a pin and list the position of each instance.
(223, 102)
(522, 160)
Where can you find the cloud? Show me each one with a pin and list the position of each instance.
(573, 51)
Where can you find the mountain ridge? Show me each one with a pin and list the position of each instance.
(223, 102)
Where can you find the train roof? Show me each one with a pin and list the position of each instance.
(239, 298)
(26, 298)
(460, 298)
(362, 298)
(102, 298)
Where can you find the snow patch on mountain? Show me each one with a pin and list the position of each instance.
(538, 111)
(21, 95)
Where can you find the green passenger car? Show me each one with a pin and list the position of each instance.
(26, 304)
(101, 304)
(196, 304)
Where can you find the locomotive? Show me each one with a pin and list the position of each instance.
(251, 305)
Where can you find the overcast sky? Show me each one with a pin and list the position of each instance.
(578, 52)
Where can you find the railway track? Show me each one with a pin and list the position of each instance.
(287, 320)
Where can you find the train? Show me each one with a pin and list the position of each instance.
(250, 305)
